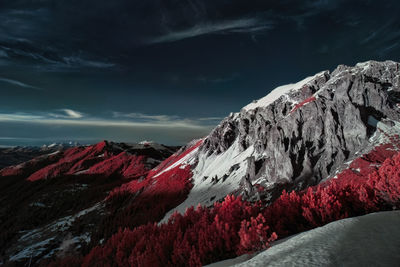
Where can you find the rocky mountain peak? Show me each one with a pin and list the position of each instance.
(300, 133)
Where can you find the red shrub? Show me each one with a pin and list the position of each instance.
(386, 182)
(308, 100)
(254, 235)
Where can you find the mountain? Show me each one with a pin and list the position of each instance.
(56, 200)
(19, 154)
(299, 134)
(331, 139)
(322, 149)
(106, 158)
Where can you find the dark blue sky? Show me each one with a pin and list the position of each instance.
(168, 71)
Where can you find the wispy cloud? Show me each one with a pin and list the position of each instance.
(245, 25)
(50, 59)
(166, 119)
(211, 119)
(73, 114)
(225, 79)
(388, 49)
(75, 118)
(60, 114)
(81, 62)
(141, 116)
(18, 83)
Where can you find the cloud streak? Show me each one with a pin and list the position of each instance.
(245, 25)
(73, 114)
(18, 83)
(167, 119)
(141, 116)
(75, 118)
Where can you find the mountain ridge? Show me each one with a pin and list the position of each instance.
(297, 141)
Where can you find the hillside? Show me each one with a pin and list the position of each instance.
(58, 198)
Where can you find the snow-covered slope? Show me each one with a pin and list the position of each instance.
(369, 240)
(280, 91)
(297, 135)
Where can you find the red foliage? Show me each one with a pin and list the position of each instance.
(99, 159)
(260, 188)
(386, 183)
(129, 166)
(308, 100)
(254, 235)
(31, 166)
(361, 167)
(142, 201)
(234, 227)
(74, 159)
(198, 237)
(175, 158)
(159, 176)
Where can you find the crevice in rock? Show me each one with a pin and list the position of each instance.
(365, 113)
(330, 165)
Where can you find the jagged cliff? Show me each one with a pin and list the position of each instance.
(300, 133)
(312, 130)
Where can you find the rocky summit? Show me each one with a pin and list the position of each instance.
(299, 134)
(306, 134)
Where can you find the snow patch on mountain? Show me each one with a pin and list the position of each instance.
(369, 240)
(214, 176)
(36, 242)
(32, 251)
(280, 91)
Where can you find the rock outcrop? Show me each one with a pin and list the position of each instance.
(298, 135)
(306, 134)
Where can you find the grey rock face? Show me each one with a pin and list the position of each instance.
(302, 144)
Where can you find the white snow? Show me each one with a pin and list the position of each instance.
(52, 145)
(81, 172)
(31, 251)
(370, 240)
(204, 191)
(364, 65)
(54, 153)
(145, 142)
(64, 223)
(36, 241)
(390, 130)
(187, 159)
(280, 91)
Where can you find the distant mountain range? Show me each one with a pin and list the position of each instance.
(18, 154)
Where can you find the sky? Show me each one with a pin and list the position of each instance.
(168, 71)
